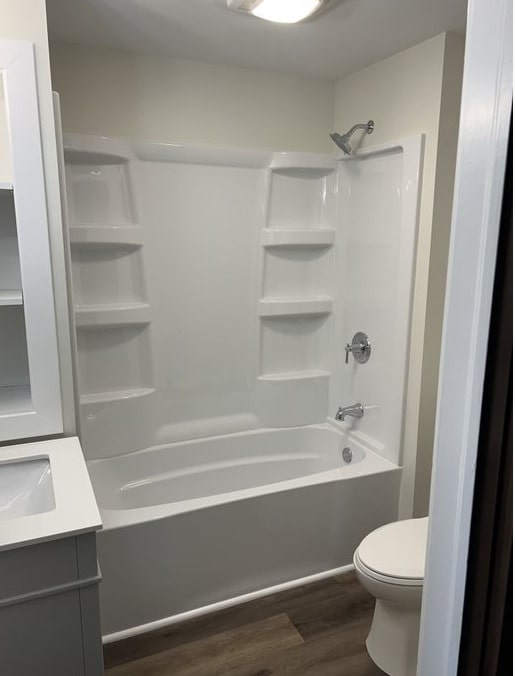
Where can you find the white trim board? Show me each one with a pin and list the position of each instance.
(221, 605)
(484, 128)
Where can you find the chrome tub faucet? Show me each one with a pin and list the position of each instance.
(355, 411)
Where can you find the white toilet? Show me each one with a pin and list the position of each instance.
(390, 565)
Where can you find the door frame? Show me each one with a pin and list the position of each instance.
(482, 148)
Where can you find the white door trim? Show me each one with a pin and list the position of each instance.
(484, 128)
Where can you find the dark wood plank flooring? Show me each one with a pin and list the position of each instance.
(314, 630)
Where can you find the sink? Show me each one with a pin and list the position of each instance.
(26, 488)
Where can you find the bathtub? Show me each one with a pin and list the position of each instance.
(196, 526)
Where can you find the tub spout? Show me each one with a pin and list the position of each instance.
(355, 411)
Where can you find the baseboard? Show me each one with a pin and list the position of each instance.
(221, 605)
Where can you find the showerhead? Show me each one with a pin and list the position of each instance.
(343, 140)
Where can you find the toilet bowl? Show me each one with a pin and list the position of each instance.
(389, 563)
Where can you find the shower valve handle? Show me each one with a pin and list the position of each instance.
(360, 348)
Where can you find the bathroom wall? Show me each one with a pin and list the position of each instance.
(26, 20)
(202, 283)
(417, 90)
(119, 94)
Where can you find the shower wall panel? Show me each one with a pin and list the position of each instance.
(376, 237)
(202, 285)
(215, 289)
(201, 225)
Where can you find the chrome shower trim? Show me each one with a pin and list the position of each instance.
(343, 140)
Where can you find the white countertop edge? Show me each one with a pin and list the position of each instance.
(76, 511)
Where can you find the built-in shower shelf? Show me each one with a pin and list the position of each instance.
(106, 235)
(117, 395)
(298, 237)
(11, 297)
(305, 165)
(313, 374)
(285, 307)
(116, 314)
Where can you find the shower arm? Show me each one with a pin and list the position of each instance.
(368, 127)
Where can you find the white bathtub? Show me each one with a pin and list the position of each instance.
(195, 526)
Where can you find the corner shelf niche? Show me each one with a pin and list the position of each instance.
(303, 198)
(295, 296)
(111, 309)
(113, 359)
(98, 189)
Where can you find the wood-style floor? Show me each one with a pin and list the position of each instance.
(314, 630)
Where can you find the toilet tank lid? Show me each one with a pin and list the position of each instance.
(397, 549)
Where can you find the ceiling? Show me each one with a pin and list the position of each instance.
(347, 36)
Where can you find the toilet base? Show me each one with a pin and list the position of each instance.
(392, 642)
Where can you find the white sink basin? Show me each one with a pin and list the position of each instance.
(26, 488)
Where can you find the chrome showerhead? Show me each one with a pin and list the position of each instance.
(343, 140)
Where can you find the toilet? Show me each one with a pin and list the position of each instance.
(389, 563)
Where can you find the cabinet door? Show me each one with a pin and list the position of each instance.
(30, 396)
(43, 637)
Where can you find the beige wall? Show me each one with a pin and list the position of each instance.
(26, 20)
(417, 91)
(442, 215)
(134, 96)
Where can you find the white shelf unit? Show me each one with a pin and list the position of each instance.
(295, 297)
(30, 391)
(111, 309)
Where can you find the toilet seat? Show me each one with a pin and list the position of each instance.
(395, 554)
(385, 579)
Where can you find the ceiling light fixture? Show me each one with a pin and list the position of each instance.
(280, 11)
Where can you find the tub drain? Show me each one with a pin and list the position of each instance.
(347, 454)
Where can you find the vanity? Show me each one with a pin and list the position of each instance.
(49, 576)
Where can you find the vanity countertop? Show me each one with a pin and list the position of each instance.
(74, 509)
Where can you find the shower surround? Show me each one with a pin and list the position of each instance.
(214, 292)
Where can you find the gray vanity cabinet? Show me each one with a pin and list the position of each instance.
(49, 614)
